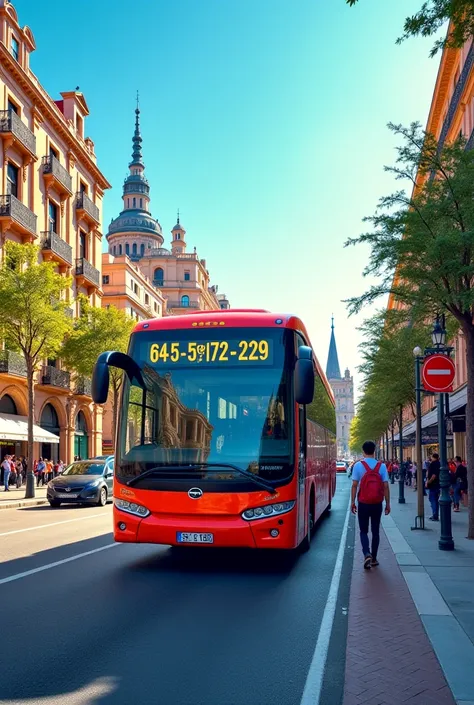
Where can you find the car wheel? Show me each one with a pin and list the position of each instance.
(54, 503)
(102, 501)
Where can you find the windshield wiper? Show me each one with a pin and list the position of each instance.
(195, 466)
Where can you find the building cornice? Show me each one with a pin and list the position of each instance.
(43, 103)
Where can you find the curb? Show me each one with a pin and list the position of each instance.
(22, 503)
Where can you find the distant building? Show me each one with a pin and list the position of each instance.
(181, 277)
(343, 388)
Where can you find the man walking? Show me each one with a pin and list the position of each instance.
(370, 477)
(434, 486)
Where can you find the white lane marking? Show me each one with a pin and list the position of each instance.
(56, 523)
(314, 679)
(83, 696)
(18, 576)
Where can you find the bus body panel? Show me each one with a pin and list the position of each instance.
(314, 477)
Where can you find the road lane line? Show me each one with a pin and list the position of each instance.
(18, 576)
(47, 526)
(314, 679)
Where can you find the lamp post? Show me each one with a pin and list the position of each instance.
(392, 429)
(420, 518)
(445, 542)
(401, 472)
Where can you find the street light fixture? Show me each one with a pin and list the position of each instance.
(445, 543)
(420, 518)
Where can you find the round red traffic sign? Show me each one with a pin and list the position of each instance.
(438, 373)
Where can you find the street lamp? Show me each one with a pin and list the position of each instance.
(420, 518)
(445, 543)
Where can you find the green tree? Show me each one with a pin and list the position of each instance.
(33, 320)
(95, 331)
(422, 246)
(432, 15)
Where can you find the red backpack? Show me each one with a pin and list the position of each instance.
(371, 490)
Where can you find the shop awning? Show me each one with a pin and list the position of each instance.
(457, 400)
(15, 428)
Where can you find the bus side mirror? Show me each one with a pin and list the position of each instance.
(100, 375)
(304, 376)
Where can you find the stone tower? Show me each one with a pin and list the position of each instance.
(343, 388)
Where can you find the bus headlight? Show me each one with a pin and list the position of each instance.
(268, 510)
(131, 508)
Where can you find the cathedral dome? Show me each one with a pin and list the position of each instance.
(136, 221)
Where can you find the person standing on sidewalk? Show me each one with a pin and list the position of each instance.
(433, 486)
(460, 482)
(6, 467)
(370, 477)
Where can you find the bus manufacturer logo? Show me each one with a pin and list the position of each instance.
(195, 493)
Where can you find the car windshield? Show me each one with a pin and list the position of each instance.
(84, 468)
(232, 411)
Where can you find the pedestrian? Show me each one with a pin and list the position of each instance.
(370, 487)
(19, 473)
(49, 470)
(40, 470)
(460, 483)
(433, 486)
(6, 467)
(408, 472)
(24, 467)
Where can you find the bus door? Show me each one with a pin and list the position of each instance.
(302, 512)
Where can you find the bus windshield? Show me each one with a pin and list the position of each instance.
(211, 397)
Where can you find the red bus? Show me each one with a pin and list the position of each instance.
(226, 432)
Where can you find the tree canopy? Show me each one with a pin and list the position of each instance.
(432, 15)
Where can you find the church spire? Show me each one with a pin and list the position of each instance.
(137, 157)
(332, 368)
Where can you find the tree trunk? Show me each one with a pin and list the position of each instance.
(30, 478)
(469, 337)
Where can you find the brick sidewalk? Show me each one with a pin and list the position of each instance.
(390, 660)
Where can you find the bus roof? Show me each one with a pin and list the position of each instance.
(233, 318)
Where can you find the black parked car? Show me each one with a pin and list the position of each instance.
(83, 482)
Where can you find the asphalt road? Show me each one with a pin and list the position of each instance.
(146, 625)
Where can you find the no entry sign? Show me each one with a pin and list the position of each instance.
(438, 373)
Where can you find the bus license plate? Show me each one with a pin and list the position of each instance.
(193, 537)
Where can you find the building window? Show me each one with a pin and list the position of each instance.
(115, 249)
(178, 236)
(158, 275)
(128, 203)
(120, 249)
(127, 249)
(134, 202)
(185, 301)
(134, 248)
(155, 306)
(53, 152)
(12, 107)
(142, 250)
(105, 279)
(136, 290)
(15, 49)
(187, 276)
(53, 221)
(79, 125)
(12, 179)
(82, 187)
(147, 299)
(141, 202)
(82, 244)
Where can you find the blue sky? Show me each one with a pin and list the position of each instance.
(262, 120)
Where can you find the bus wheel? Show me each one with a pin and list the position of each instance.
(306, 542)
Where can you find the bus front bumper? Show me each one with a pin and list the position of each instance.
(227, 532)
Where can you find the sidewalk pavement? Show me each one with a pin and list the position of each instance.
(411, 620)
(441, 586)
(15, 498)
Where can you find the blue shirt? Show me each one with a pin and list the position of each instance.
(358, 470)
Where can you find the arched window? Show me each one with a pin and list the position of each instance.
(115, 249)
(81, 423)
(128, 203)
(158, 275)
(49, 419)
(142, 250)
(7, 405)
(120, 249)
(134, 248)
(127, 249)
(134, 202)
(141, 202)
(185, 301)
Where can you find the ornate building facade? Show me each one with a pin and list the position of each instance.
(51, 195)
(343, 388)
(181, 277)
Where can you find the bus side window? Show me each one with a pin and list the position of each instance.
(302, 429)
